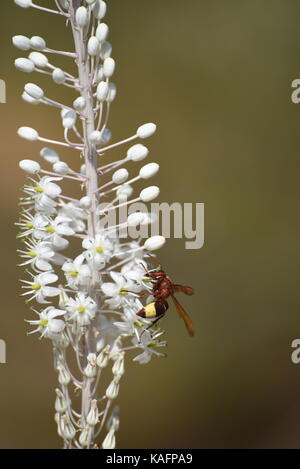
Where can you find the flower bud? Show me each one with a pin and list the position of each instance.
(85, 437)
(58, 76)
(102, 32)
(112, 92)
(30, 166)
(61, 168)
(69, 119)
(103, 357)
(83, 169)
(109, 441)
(106, 50)
(21, 42)
(113, 389)
(155, 242)
(137, 152)
(79, 103)
(28, 133)
(23, 3)
(49, 155)
(34, 91)
(120, 176)
(82, 17)
(95, 137)
(90, 369)
(149, 170)
(24, 65)
(37, 43)
(63, 376)
(39, 59)
(146, 130)
(118, 369)
(109, 66)
(102, 91)
(67, 429)
(99, 9)
(60, 402)
(93, 46)
(134, 219)
(85, 202)
(93, 415)
(29, 99)
(150, 193)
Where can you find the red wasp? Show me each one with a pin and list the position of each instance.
(163, 288)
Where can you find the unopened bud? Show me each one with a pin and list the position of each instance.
(28, 133)
(34, 91)
(37, 43)
(24, 65)
(63, 376)
(30, 166)
(49, 155)
(93, 415)
(149, 193)
(137, 152)
(21, 42)
(120, 176)
(39, 59)
(60, 402)
(82, 17)
(149, 170)
(155, 242)
(146, 130)
(58, 76)
(113, 389)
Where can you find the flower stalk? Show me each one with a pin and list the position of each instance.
(87, 303)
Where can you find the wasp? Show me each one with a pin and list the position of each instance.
(162, 289)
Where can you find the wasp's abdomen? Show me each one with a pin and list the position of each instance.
(154, 309)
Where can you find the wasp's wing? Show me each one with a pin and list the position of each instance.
(184, 315)
(183, 289)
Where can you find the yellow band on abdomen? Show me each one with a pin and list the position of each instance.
(150, 311)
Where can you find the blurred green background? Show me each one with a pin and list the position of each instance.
(216, 78)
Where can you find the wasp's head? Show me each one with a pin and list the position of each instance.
(157, 274)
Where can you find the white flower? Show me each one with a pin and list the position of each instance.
(148, 342)
(38, 255)
(56, 229)
(42, 194)
(38, 287)
(135, 271)
(77, 273)
(131, 323)
(47, 323)
(82, 309)
(119, 290)
(98, 250)
(33, 225)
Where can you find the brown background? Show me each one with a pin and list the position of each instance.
(216, 78)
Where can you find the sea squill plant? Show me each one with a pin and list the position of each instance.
(86, 303)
